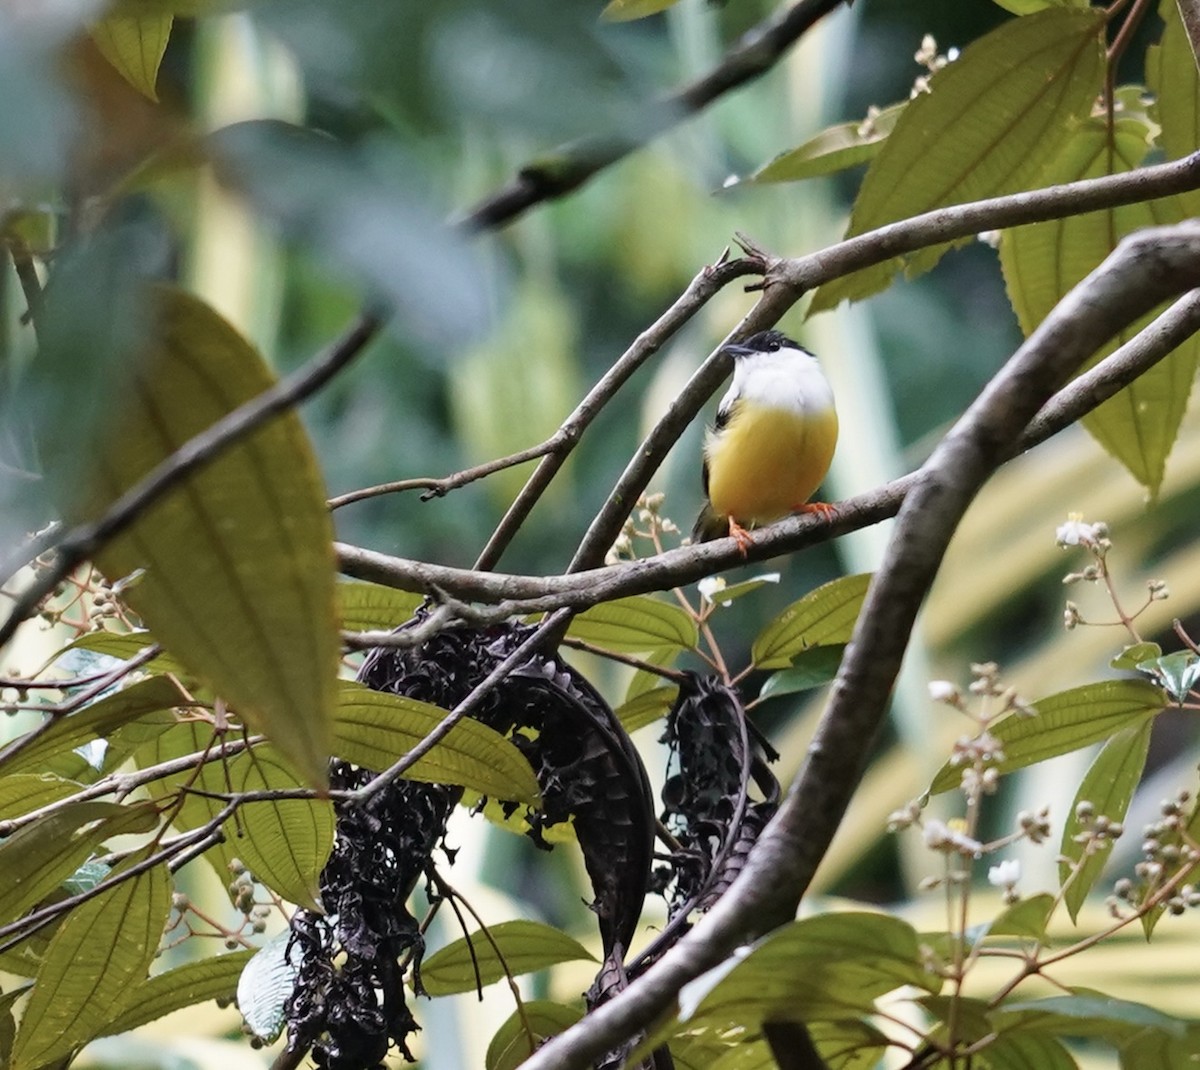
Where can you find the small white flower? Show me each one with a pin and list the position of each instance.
(945, 691)
(942, 837)
(710, 586)
(1076, 532)
(1005, 874)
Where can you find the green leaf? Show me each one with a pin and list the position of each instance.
(265, 986)
(135, 47)
(647, 707)
(645, 680)
(284, 842)
(972, 1017)
(824, 617)
(1172, 76)
(368, 606)
(125, 645)
(1134, 654)
(831, 966)
(238, 560)
(96, 721)
(1086, 1013)
(833, 149)
(1017, 1052)
(374, 729)
(812, 668)
(189, 810)
(638, 623)
(102, 949)
(1176, 672)
(1028, 7)
(1108, 785)
(510, 948)
(992, 120)
(40, 856)
(26, 792)
(1042, 262)
(717, 592)
(1150, 1048)
(184, 986)
(8, 1028)
(628, 10)
(1066, 722)
(511, 1044)
(847, 1045)
(1025, 918)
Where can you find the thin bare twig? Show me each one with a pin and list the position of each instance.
(83, 541)
(1144, 270)
(439, 488)
(567, 168)
(703, 287)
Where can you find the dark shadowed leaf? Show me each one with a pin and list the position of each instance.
(510, 948)
(1017, 1052)
(239, 566)
(1066, 722)
(830, 967)
(102, 949)
(992, 120)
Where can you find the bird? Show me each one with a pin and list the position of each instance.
(772, 443)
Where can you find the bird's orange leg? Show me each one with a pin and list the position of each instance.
(824, 509)
(739, 535)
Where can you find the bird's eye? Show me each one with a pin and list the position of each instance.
(774, 347)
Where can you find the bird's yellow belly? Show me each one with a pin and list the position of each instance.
(767, 463)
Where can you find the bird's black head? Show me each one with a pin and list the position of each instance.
(764, 342)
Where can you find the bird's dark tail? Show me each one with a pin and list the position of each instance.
(709, 525)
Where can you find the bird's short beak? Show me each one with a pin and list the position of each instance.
(735, 350)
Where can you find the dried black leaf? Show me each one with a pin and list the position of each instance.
(588, 771)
